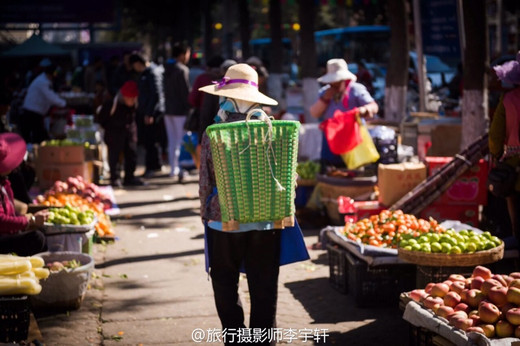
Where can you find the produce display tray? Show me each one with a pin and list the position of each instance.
(372, 281)
(425, 319)
(51, 229)
(451, 260)
(15, 316)
(373, 255)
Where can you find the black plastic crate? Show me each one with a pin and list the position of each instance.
(420, 336)
(337, 268)
(427, 274)
(378, 285)
(14, 318)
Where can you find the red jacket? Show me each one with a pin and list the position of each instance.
(9, 221)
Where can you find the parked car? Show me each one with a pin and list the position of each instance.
(437, 71)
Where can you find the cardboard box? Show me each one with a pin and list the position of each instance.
(396, 180)
(49, 173)
(470, 188)
(465, 213)
(48, 154)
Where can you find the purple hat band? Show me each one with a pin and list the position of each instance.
(226, 81)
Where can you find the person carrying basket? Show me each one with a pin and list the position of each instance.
(257, 248)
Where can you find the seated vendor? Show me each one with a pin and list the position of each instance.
(19, 234)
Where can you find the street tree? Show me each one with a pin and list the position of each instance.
(308, 59)
(397, 75)
(276, 59)
(474, 99)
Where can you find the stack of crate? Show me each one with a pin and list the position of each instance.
(55, 162)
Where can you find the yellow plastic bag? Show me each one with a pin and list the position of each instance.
(364, 153)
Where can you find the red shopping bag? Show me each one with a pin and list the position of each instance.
(342, 131)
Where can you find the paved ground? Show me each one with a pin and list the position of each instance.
(150, 287)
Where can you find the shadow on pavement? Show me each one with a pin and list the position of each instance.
(380, 332)
(147, 258)
(327, 306)
(164, 214)
(322, 259)
(160, 201)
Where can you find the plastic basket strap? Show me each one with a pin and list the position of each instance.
(267, 139)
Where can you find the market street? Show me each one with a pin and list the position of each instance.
(150, 286)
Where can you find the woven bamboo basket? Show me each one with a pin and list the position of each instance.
(452, 260)
(248, 164)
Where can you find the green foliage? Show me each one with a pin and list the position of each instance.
(308, 169)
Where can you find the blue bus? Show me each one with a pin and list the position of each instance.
(356, 43)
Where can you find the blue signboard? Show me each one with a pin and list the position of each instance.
(440, 31)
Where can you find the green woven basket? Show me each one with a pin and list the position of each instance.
(248, 166)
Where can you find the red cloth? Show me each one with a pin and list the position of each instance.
(512, 105)
(9, 221)
(342, 131)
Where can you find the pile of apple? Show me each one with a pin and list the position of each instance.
(77, 185)
(485, 303)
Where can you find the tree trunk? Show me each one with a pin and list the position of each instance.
(245, 30)
(274, 86)
(308, 60)
(397, 75)
(206, 28)
(275, 22)
(474, 100)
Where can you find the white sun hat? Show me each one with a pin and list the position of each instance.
(241, 83)
(337, 70)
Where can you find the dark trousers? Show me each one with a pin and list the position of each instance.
(23, 244)
(117, 143)
(259, 253)
(150, 142)
(32, 127)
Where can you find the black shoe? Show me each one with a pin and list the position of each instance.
(134, 182)
(148, 174)
(116, 183)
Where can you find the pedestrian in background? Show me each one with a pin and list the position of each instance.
(38, 101)
(176, 88)
(117, 117)
(340, 92)
(255, 248)
(210, 103)
(147, 113)
(124, 72)
(196, 97)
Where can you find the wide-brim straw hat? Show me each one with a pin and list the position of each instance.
(241, 83)
(337, 70)
(12, 151)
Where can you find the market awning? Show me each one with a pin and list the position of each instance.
(34, 46)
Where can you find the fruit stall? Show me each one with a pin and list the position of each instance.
(415, 243)
(56, 280)
(443, 275)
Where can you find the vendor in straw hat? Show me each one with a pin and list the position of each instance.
(340, 92)
(19, 234)
(504, 137)
(258, 248)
